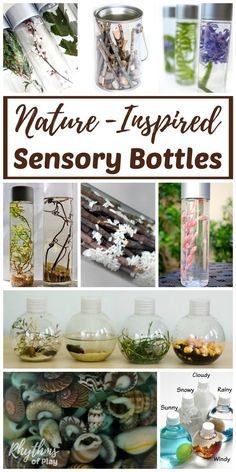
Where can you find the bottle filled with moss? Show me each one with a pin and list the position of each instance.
(145, 338)
(36, 335)
(90, 336)
(21, 237)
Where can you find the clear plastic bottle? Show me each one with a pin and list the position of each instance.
(190, 417)
(36, 335)
(175, 442)
(207, 442)
(145, 338)
(169, 38)
(120, 47)
(215, 37)
(58, 234)
(222, 417)
(22, 236)
(89, 335)
(204, 399)
(195, 225)
(40, 48)
(186, 43)
(198, 337)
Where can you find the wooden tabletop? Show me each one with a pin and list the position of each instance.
(116, 361)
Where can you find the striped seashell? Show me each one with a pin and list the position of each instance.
(55, 382)
(14, 405)
(83, 396)
(49, 430)
(138, 440)
(93, 383)
(96, 418)
(108, 449)
(42, 408)
(141, 400)
(120, 407)
(71, 427)
(67, 397)
(86, 448)
(120, 382)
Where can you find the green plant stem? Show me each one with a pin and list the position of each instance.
(202, 83)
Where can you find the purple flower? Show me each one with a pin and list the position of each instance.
(168, 45)
(214, 44)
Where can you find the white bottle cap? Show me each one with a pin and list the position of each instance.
(36, 305)
(91, 305)
(202, 384)
(187, 400)
(208, 429)
(199, 307)
(172, 418)
(144, 306)
(224, 399)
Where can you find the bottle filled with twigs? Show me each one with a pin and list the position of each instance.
(39, 46)
(195, 224)
(120, 47)
(58, 234)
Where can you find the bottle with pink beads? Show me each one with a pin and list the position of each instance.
(195, 224)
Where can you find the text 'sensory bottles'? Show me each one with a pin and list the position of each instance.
(222, 417)
(215, 36)
(195, 234)
(120, 47)
(175, 442)
(186, 43)
(21, 236)
(58, 234)
(39, 46)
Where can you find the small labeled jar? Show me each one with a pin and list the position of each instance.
(90, 336)
(169, 38)
(198, 337)
(58, 234)
(145, 338)
(207, 442)
(36, 335)
(22, 236)
(39, 46)
(195, 227)
(215, 37)
(186, 43)
(120, 47)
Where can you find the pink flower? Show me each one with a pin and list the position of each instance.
(187, 242)
(193, 250)
(203, 218)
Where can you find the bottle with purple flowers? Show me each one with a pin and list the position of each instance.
(215, 34)
(195, 234)
(169, 38)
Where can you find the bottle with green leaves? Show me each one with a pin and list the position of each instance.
(169, 38)
(15, 61)
(185, 44)
(21, 237)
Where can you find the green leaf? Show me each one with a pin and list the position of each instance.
(69, 46)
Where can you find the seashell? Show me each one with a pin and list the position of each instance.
(93, 383)
(108, 449)
(83, 396)
(71, 427)
(120, 407)
(86, 448)
(13, 462)
(31, 394)
(148, 417)
(23, 380)
(141, 400)
(61, 460)
(42, 408)
(150, 461)
(120, 382)
(138, 440)
(126, 464)
(14, 405)
(33, 429)
(130, 423)
(55, 382)
(67, 397)
(96, 418)
(49, 430)
(13, 430)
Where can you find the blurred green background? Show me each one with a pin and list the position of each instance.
(221, 225)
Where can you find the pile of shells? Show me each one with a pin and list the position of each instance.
(79, 420)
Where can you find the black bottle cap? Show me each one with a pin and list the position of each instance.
(22, 194)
